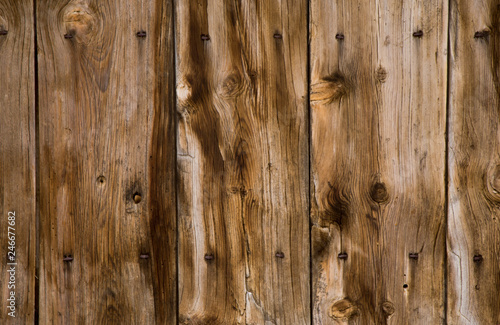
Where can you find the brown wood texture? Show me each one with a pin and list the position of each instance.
(378, 121)
(474, 163)
(17, 158)
(243, 162)
(107, 162)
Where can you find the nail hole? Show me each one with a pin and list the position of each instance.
(141, 33)
(339, 36)
(405, 286)
(205, 37)
(137, 198)
(209, 257)
(101, 179)
(280, 255)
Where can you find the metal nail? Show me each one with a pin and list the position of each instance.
(144, 256)
(209, 257)
(3, 32)
(280, 255)
(205, 37)
(278, 36)
(343, 256)
(478, 258)
(67, 258)
(68, 36)
(339, 36)
(413, 256)
(418, 33)
(141, 34)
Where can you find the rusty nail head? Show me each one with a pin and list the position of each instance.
(418, 33)
(141, 34)
(339, 36)
(137, 198)
(478, 258)
(280, 255)
(414, 256)
(205, 37)
(278, 36)
(68, 36)
(209, 257)
(343, 256)
(67, 258)
(144, 256)
(3, 32)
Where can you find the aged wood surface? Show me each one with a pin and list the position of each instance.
(474, 163)
(378, 101)
(243, 162)
(17, 159)
(107, 162)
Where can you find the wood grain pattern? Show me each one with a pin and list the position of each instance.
(17, 157)
(107, 162)
(378, 98)
(243, 162)
(474, 164)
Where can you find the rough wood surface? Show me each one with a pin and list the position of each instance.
(378, 101)
(243, 162)
(17, 158)
(474, 163)
(107, 162)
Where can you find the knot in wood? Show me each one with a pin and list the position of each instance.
(379, 193)
(388, 308)
(231, 85)
(343, 309)
(80, 23)
(381, 74)
(329, 89)
(482, 34)
(184, 92)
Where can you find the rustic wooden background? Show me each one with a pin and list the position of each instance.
(251, 162)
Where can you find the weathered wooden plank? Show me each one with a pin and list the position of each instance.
(474, 163)
(107, 162)
(378, 94)
(17, 161)
(243, 162)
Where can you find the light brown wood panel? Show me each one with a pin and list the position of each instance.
(107, 162)
(378, 110)
(17, 161)
(474, 163)
(243, 162)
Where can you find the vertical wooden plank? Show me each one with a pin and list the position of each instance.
(17, 162)
(243, 162)
(378, 94)
(107, 165)
(474, 163)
